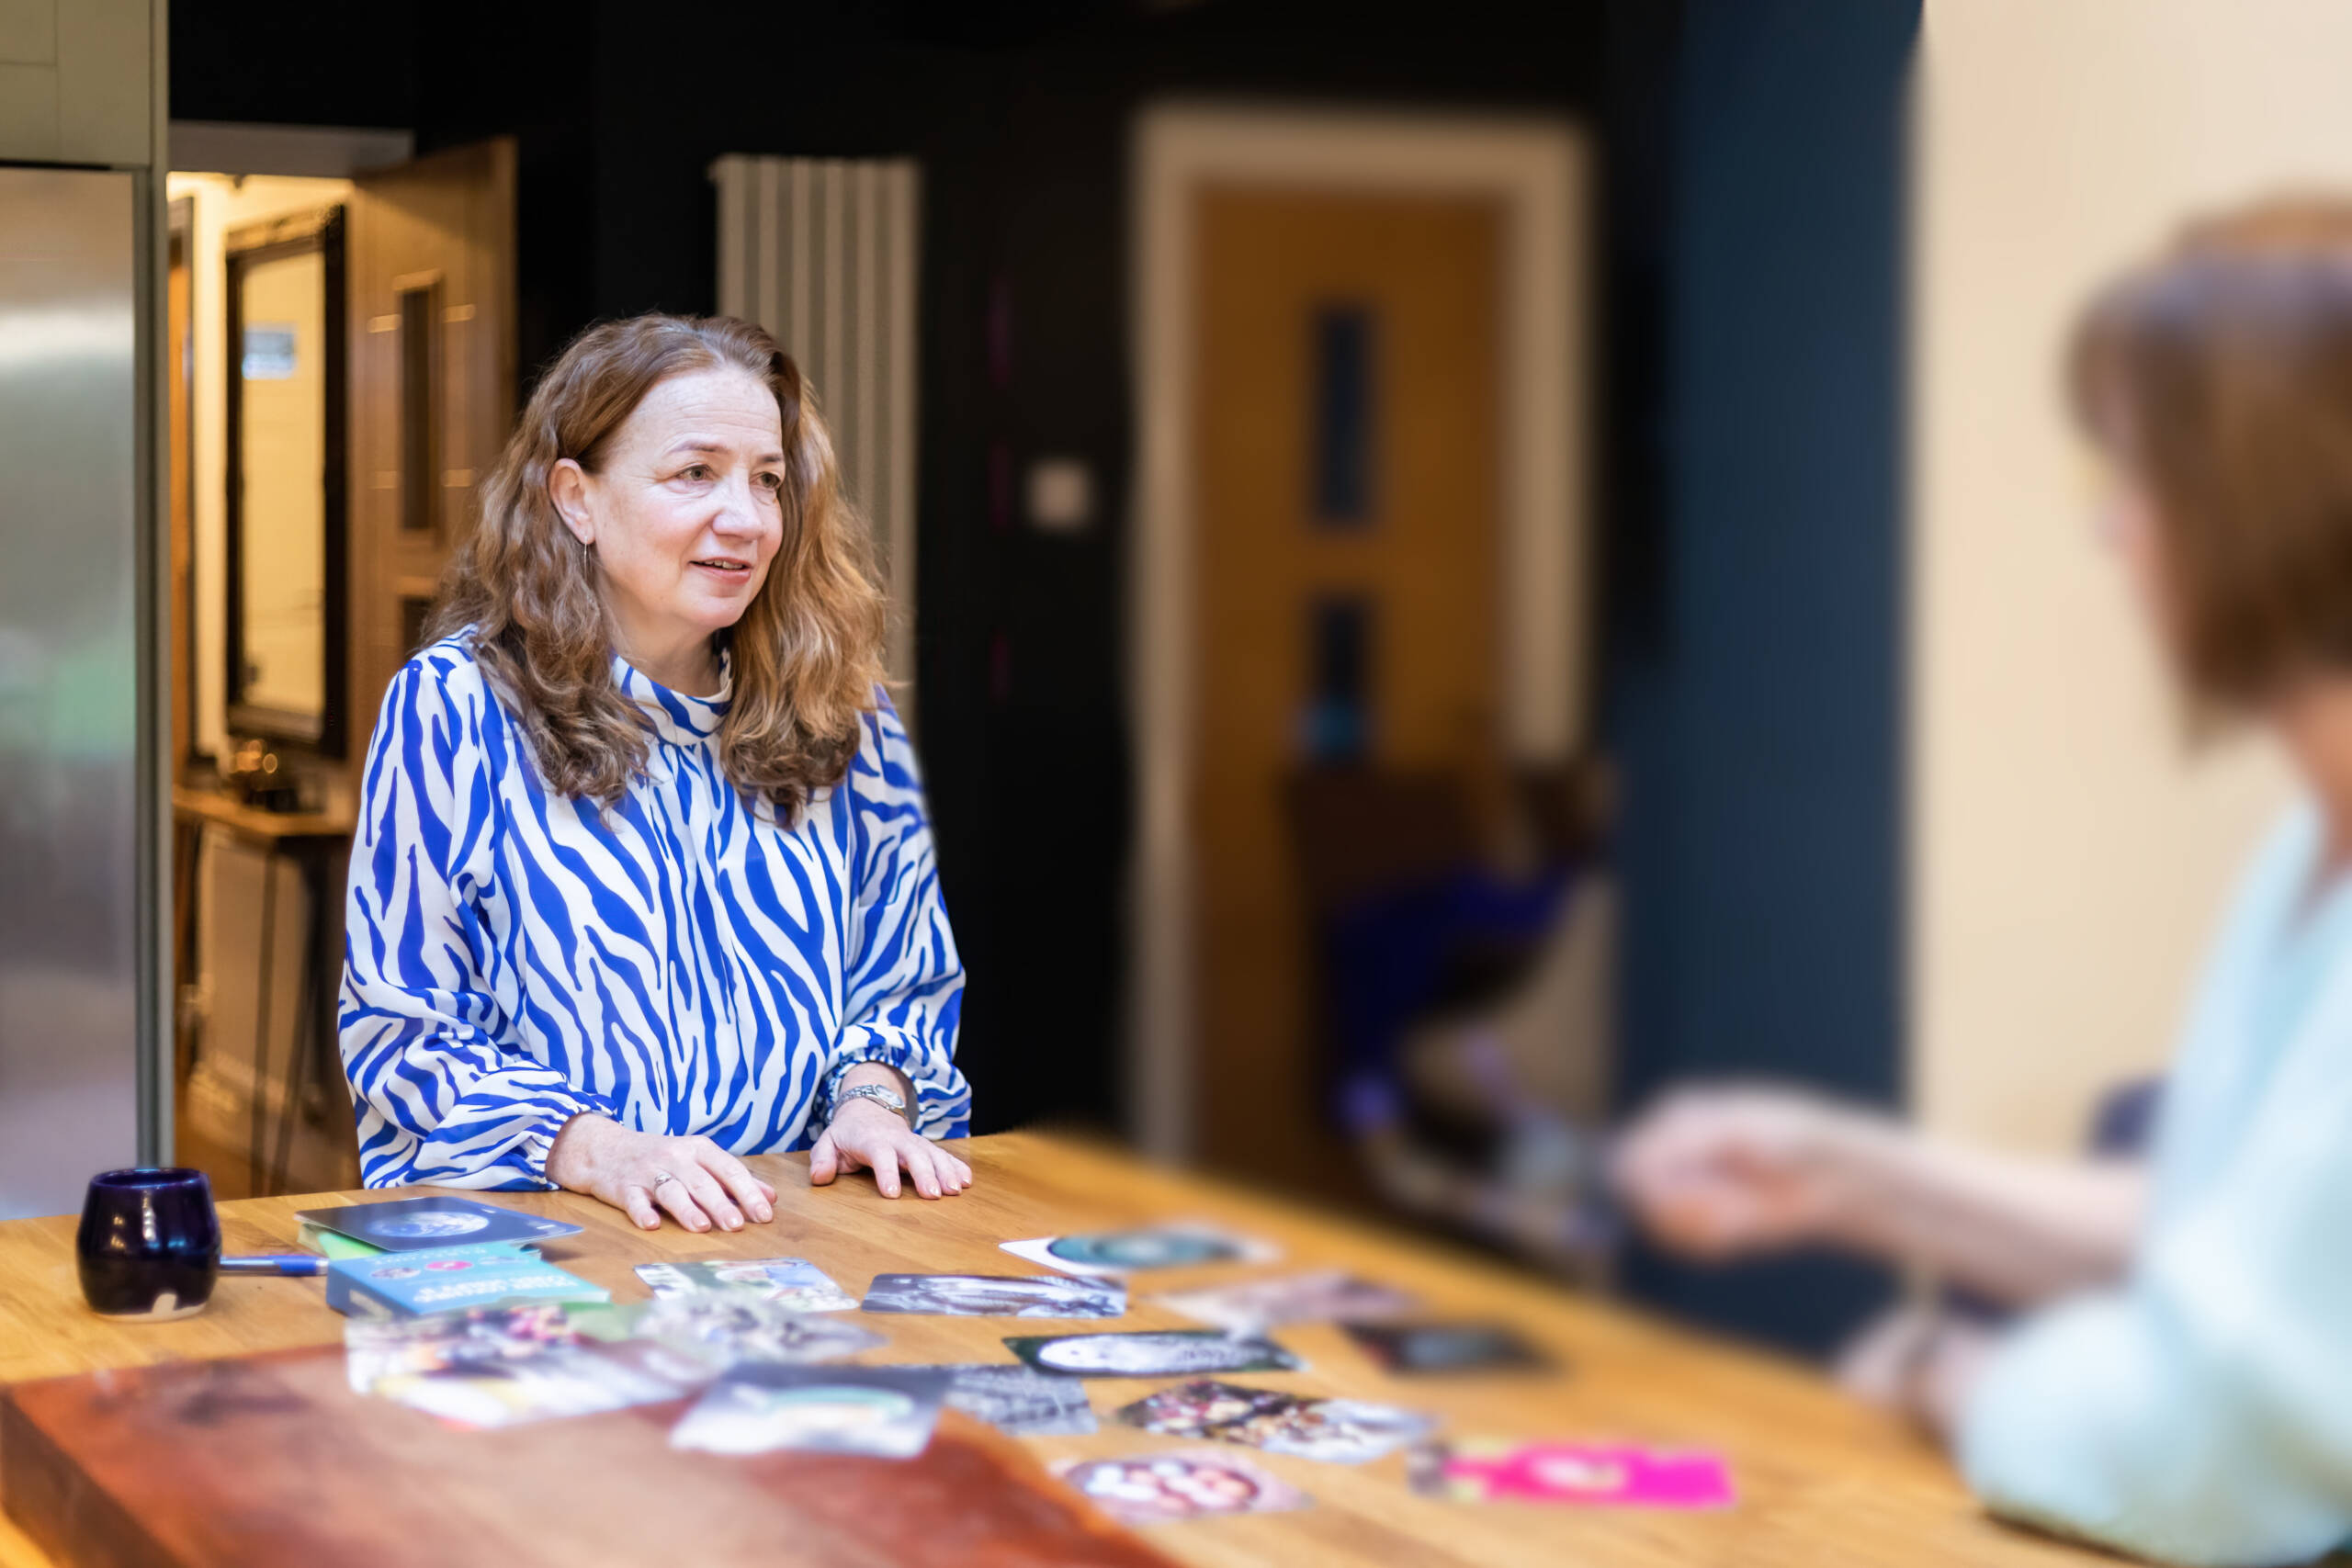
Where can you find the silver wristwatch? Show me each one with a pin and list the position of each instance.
(885, 1097)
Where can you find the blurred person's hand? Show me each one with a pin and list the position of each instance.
(1918, 1360)
(1879, 1364)
(1721, 1173)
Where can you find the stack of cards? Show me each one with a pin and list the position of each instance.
(794, 1283)
(1341, 1431)
(883, 1412)
(1170, 1352)
(1258, 1304)
(1189, 1483)
(1148, 1246)
(1611, 1474)
(996, 1295)
(445, 1279)
(406, 1225)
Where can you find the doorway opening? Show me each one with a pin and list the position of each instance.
(342, 367)
(1366, 796)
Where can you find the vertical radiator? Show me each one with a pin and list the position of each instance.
(821, 252)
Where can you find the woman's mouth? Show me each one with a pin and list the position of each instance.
(724, 565)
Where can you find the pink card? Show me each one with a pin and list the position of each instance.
(1607, 1474)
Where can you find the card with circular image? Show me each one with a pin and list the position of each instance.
(1169, 1353)
(1189, 1483)
(1179, 1246)
(412, 1224)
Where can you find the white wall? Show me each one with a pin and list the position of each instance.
(221, 204)
(2068, 859)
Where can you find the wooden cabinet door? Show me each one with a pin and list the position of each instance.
(431, 285)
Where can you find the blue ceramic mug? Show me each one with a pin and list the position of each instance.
(149, 1243)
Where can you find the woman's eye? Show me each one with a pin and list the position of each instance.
(772, 483)
(697, 471)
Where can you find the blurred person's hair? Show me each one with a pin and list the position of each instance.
(2219, 376)
(805, 661)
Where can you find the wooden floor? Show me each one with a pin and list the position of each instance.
(1821, 1480)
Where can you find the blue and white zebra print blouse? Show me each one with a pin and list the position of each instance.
(685, 964)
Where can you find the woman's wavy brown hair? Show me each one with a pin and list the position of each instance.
(806, 658)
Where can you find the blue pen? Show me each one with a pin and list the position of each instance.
(276, 1263)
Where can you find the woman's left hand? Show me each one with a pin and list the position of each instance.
(865, 1135)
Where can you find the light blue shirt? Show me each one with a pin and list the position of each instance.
(2202, 1412)
(684, 963)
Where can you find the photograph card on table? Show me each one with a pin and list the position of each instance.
(1176, 1245)
(1018, 1400)
(1167, 1352)
(996, 1295)
(882, 1412)
(503, 1366)
(408, 1224)
(729, 1326)
(1327, 1295)
(1338, 1431)
(1480, 1469)
(1189, 1483)
(794, 1283)
(1436, 1347)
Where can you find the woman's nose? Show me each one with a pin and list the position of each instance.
(738, 510)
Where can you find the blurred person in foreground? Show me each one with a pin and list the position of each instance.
(2178, 1383)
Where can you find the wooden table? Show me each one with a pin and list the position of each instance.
(1821, 1480)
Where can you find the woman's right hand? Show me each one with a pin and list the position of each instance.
(643, 1173)
(1726, 1172)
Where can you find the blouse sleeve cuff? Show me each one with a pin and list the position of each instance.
(556, 1109)
(862, 1043)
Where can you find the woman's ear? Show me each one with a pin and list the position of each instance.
(567, 488)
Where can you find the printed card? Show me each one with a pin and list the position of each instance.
(996, 1295)
(1326, 1296)
(883, 1412)
(1339, 1431)
(1148, 1246)
(1190, 1483)
(1172, 1352)
(793, 1283)
(1598, 1474)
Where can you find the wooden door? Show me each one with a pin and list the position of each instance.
(432, 299)
(1347, 457)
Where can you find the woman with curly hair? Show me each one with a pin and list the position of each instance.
(644, 880)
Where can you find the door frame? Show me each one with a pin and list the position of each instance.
(1538, 169)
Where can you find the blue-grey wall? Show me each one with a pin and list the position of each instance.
(1757, 572)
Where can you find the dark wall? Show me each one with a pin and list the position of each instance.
(1756, 666)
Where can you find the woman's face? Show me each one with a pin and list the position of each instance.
(685, 512)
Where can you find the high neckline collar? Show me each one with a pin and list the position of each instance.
(675, 716)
